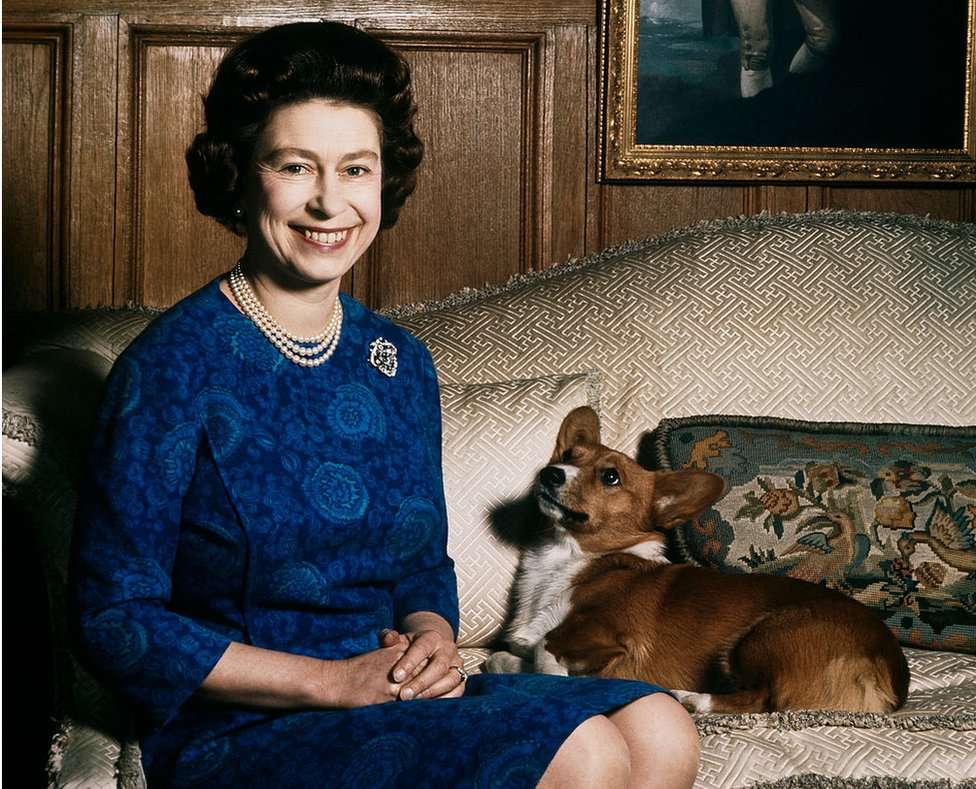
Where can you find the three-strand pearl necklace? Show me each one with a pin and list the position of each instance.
(304, 351)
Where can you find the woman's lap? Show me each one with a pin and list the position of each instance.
(502, 733)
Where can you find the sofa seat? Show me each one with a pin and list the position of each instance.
(824, 316)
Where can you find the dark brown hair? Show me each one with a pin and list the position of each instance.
(292, 63)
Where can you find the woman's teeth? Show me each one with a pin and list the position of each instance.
(326, 238)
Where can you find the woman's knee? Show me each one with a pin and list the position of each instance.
(594, 755)
(662, 740)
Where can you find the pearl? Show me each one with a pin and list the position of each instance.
(303, 351)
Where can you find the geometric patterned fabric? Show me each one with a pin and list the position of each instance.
(836, 316)
(829, 316)
(496, 437)
(884, 513)
(932, 738)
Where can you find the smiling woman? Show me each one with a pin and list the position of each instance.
(260, 563)
(311, 204)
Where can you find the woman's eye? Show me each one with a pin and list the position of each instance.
(610, 477)
(356, 171)
(294, 169)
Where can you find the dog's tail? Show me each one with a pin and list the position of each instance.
(877, 683)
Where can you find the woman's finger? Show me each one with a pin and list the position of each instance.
(421, 649)
(441, 676)
(450, 685)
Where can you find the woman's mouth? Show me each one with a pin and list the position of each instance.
(325, 238)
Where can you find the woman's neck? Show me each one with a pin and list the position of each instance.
(304, 312)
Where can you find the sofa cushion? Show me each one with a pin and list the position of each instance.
(831, 315)
(930, 742)
(103, 331)
(496, 437)
(883, 512)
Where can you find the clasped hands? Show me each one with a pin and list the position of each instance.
(416, 664)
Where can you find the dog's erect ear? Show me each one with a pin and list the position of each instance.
(680, 496)
(581, 426)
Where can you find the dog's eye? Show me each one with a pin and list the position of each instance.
(610, 477)
(568, 455)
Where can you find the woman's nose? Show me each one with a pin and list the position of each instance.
(328, 199)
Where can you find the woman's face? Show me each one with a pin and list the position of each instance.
(312, 198)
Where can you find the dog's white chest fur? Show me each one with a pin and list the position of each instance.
(543, 591)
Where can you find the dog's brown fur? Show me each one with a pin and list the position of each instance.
(753, 642)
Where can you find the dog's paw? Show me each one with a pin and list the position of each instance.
(505, 663)
(694, 702)
(546, 662)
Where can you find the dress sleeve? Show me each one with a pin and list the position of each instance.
(127, 528)
(433, 587)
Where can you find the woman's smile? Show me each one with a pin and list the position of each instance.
(327, 239)
(313, 197)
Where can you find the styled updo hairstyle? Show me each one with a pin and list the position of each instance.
(293, 63)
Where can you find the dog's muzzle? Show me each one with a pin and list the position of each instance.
(551, 479)
(552, 476)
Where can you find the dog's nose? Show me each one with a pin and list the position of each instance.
(552, 476)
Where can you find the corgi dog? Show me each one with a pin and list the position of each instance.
(596, 596)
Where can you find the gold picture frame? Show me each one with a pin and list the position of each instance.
(901, 140)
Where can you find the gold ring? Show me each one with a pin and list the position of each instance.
(461, 673)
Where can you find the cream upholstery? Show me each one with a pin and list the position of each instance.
(830, 316)
(825, 316)
(495, 436)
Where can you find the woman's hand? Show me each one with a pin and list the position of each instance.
(366, 678)
(427, 669)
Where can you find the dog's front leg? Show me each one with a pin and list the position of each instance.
(546, 663)
(503, 662)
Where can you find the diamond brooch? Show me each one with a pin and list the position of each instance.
(383, 356)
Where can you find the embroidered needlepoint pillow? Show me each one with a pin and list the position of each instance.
(885, 513)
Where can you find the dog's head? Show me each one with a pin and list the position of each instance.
(608, 502)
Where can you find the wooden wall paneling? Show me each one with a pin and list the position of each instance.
(480, 212)
(632, 211)
(594, 189)
(167, 247)
(419, 12)
(967, 205)
(92, 150)
(36, 83)
(950, 202)
(569, 144)
(776, 198)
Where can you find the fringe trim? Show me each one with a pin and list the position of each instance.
(661, 434)
(130, 772)
(55, 753)
(762, 221)
(21, 428)
(798, 720)
(811, 781)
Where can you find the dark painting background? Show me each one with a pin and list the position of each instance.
(895, 80)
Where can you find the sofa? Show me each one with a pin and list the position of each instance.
(838, 325)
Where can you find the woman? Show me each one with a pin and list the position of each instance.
(260, 565)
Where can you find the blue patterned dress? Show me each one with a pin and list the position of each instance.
(235, 496)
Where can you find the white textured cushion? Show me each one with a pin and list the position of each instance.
(833, 316)
(496, 438)
(930, 742)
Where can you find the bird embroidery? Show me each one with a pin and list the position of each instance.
(828, 556)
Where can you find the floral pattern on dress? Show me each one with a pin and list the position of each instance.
(233, 498)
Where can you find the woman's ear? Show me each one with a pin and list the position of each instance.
(581, 426)
(680, 496)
